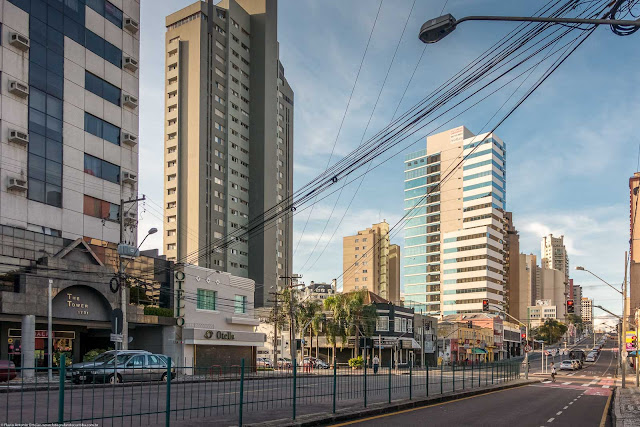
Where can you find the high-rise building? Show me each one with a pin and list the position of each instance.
(70, 118)
(554, 255)
(554, 289)
(228, 140)
(577, 293)
(371, 262)
(529, 289)
(586, 311)
(511, 264)
(454, 236)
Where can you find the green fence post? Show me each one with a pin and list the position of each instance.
(472, 374)
(335, 385)
(427, 379)
(61, 372)
(295, 374)
(390, 365)
(453, 375)
(479, 373)
(242, 393)
(167, 414)
(410, 379)
(463, 370)
(441, 374)
(365, 380)
(492, 365)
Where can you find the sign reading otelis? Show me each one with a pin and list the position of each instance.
(219, 335)
(73, 301)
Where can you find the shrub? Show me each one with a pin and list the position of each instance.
(158, 311)
(92, 354)
(356, 362)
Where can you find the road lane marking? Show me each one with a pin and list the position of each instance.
(605, 386)
(565, 407)
(603, 420)
(550, 420)
(559, 413)
(570, 403)
(567, 383)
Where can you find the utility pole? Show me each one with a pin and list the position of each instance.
(624, 324)
(636, 364)
(124, 249)
(50, 332)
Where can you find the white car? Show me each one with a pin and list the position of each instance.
(590, 358)
(567, 365)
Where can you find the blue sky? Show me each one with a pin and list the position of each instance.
(571, 146)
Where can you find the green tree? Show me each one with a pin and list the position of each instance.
(360, 317)
(335, 322)
(576, 321)
(309, 316)
(550, 331)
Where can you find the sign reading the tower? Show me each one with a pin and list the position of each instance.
(456, 135)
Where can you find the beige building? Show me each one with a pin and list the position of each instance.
(371, 262)
(529, 287)
(554, 255)
(586, 311)
(228, 140)
(554, 289)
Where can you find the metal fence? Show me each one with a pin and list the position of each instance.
(224, 395)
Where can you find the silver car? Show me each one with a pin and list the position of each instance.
(129, 367)
(73, 371)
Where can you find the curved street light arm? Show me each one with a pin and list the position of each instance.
(549, 19)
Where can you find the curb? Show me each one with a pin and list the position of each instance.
(344, 415)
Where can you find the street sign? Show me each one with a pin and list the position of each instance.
(527, 348)
(116, 338)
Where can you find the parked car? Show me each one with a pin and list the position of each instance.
(263, 362)
(591, 357)
(321, 364)
(284, 363)
(99, 360)
(567, 365)
(7, 370)
(127, 367)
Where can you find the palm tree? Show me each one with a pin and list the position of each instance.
(335, 323)
(360, 317)
(307, 315)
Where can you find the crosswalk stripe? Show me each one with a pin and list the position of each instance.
(567, 383)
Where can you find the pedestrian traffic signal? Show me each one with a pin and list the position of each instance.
(485, 305)
(570, 307)
(523, 336)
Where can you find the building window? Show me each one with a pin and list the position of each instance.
(100, 209)
(102, 88)
(101, 169)
(108, 10)
(241, 304)
(171, 247)
(206, 299)
(397, 325)
(101, 129)
(410, 326)
(103, 48)
(382, 323)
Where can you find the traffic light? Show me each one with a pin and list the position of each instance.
(570, 307)
(634, 342)
(485, 305)
(523, 337)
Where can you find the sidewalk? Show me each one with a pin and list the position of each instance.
(626, 407)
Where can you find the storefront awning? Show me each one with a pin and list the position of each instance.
(477, 350)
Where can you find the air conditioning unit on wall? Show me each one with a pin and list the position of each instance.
(19, 41)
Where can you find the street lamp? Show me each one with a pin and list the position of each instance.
(623, 333)
(151, 231)
(436, 29)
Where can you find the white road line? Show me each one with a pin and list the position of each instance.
(550, 420)
(570, 403)
(567, 383)
(605, 386)
(565, 407)
(558, 413)
(583, 376)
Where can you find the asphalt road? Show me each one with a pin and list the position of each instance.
(217, 402)
(578, 398)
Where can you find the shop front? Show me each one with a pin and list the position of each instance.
(217, 350)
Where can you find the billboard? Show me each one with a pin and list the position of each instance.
(630, 340)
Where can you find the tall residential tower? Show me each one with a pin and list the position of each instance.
(454, 236)
(228, 140)
(371, 262)
(554, 255)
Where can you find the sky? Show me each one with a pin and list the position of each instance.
(571, 146)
